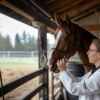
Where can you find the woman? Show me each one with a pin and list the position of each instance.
(88, 86)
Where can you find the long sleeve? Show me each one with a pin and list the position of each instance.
(84, 87)
(78, 79)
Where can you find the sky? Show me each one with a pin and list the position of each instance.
(11, 27)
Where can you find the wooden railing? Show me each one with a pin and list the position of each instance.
(58, 94)
(20, 81)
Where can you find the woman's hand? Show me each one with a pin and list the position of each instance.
(55, 71)
(62, 64)
(49, 66)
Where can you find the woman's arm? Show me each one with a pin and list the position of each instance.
(62, 67)
(78, 79)
(84, 87)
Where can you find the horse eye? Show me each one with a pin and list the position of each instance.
(66, 38)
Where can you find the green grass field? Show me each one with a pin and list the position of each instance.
(18, 65)
(19, 62)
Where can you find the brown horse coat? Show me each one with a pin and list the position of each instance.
(66, 36)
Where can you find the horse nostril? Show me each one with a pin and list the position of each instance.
(54, 66)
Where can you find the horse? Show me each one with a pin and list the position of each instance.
(69, 39)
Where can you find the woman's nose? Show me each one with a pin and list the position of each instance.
(87, 53)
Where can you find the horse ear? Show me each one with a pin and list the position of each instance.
(68, 20)
(58, 20)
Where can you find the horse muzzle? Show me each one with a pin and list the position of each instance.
(54, 66)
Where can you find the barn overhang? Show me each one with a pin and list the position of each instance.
(25, 11)
(28, 11)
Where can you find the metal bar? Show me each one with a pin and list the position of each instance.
(57, 84)
(56, 76)
(19, 81)
(57, 91)
(29, 95)
(58, 97)
(43, 10)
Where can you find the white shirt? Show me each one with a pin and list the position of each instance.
(84, 87)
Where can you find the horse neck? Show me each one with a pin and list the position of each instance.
(84, 39)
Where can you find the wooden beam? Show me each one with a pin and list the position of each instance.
(16, 16)
(91, 27)
(82, 8)
(29, 11)
(23, 19)
(29, 22)
(7, 4)
(73, 7)
(92, 9)
(56, 4)
(66, 6)
(48, 1)
(4, 9)
(26, 21)
(10, 13)
(51, 31)
(85, 16)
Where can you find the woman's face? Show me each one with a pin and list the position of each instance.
(93, 54)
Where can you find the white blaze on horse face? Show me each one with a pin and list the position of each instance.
(57, 38)
(56, 41)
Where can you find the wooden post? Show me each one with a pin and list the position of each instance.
(42, 45)
(52, 86)
(32, 55)
(8, 55)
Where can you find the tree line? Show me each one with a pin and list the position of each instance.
(22, 43)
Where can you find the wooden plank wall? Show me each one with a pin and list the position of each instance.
(92, 20)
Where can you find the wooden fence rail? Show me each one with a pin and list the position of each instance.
(30, 94)
(21, 80)
(57, 95)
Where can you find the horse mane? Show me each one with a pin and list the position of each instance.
(87, 34)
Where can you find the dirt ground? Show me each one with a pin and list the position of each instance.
(9, 74)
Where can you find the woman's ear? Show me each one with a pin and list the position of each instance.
(99, 55)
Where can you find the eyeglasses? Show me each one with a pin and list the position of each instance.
(93, 50)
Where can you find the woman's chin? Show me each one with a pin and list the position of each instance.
(90, 61)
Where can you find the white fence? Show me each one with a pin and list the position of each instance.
(26, 56)
(20, 56)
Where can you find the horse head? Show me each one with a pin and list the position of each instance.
(65, 42)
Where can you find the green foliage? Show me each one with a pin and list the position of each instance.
(26, 42)
(22, 43)
(5, 44)
(18, 44)
(19, 62)
(13, 64)
(32, 43)
(24, 39)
